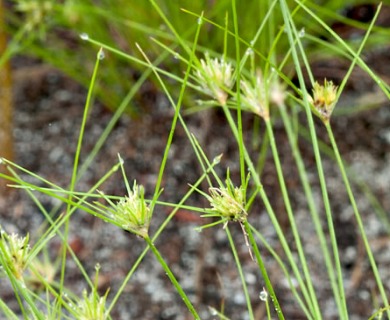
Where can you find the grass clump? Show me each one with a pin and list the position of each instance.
(250, 77)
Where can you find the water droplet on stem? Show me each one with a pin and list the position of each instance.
(101, 54)
(263, 295)
(84, 36)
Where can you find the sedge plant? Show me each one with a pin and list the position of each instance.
(248, 77)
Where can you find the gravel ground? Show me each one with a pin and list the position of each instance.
(49, 108)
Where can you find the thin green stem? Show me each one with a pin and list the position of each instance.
(14, 282)
(238, 95)
(18, 284)
(177, 106)
(313, 302)
(357, 216)
(263, 271)
(240, 272)
(286, 271)
(271, 213)
(292, 33)
(7, 311)
(76, 163)
(310, 199)
(375, 204)
(263, 150)
(156, 235)
(171, 277)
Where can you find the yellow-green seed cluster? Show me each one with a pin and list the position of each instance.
(215, 77)
(132, 212)
(324, 99)
(92, 307)
(229, 203)
(14, 251)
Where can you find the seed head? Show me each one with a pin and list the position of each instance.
(324, 99)
(92, 307)
(215, 77)
(36, 11)
(14, 251)
(228, 202)
(131, 212)
(257, 95)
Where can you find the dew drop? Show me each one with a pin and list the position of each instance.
(176, 56)
(84, 36)
(200, 20)
(217, 159)
(263, 295)
(252, 43)
(213, 312)
(301, 33)
(101, 54)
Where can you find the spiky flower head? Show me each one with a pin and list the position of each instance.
(258, 94)
(14, 252)
(228, 202)
(92, 307)
(36, 11)
(215, 76)
(131, 212)
(323, 100)
(254, 97)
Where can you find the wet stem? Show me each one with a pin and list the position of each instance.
(171, 277)
(264, 273)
